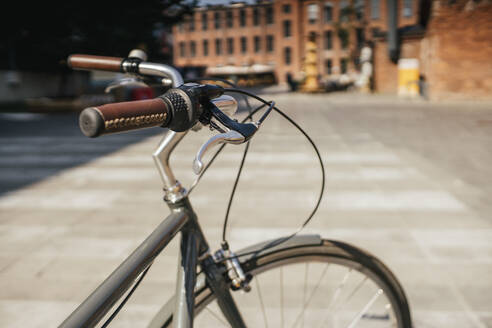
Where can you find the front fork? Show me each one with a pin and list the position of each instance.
(193, 246)
(186, 280)
(221, 289)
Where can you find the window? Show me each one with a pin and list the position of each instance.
(256, 17)
(359, 33)
(286, 9)
(312, 13)
(218, 47)
(328, 40)
(269, 43)
(328, 66)
(287, 55)
(328, 12)
(407, 9)
(242, 17)
(217, 20)
(343, 65)
(344, 11)
(230, 46)
(182, 50)
(192, 48)
(359, 9)
(192, 23)
(344, 38)
(257, 42)
(287, 29)
(375, 9)
(180, 27)
(204, 21)
(244, 44)
(269, 15)
(229, 21)
(375, 32)
(205, 48)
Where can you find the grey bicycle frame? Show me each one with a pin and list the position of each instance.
(193, 248)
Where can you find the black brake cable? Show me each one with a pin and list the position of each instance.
(320, 197)
(245, 153)
(241, 165)
(249, 117)
(127, 297)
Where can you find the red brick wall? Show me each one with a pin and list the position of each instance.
(385, 72)
(249, 31)
(300, 28)
(456, 54)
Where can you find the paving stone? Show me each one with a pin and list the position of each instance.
(411, 183)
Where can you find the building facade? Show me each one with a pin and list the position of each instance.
(271, 35)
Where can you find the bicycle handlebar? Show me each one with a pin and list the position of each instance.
(178, 109)
(124, 116)
(88, 62)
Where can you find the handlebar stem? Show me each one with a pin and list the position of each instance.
(173, 190)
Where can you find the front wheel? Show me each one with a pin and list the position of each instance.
(313, 284)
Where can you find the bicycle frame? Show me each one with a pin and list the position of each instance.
(193, 249)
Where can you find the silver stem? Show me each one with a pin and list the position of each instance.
(173, 189)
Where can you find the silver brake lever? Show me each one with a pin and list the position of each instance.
(125, 82)
(231, 136)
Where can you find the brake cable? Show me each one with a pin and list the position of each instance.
(231, 198)
(320, 196)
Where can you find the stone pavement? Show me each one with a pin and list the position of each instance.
(408, 181)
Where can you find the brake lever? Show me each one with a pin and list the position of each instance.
(125, 82)
(233, 132)
(232, 137)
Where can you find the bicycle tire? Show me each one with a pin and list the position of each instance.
(328, 252)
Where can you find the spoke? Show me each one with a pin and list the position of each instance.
(366, 307)
(335, 296)
(311, 296)
(281, 297)
(356, 289)
(337, 292)
(306, 270)
(347, 299)
(261, 302)
(216, 316)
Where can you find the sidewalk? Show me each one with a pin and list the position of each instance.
(409, 182)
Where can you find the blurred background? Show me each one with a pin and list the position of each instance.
(398, 47)
(397, 94)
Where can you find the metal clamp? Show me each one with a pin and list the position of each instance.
(235, 273)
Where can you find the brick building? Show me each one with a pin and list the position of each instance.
(271, 35)
(453, 46)
(449, 41)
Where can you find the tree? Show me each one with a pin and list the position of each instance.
(40, 35)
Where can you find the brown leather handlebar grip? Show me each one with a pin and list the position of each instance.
(124, 116)
(89, 62)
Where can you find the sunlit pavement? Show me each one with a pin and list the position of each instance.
(408, 181)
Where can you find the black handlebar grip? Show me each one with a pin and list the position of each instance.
(124, 116)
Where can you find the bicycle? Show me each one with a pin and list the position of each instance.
(361, 291)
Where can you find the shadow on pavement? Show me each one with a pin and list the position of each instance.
(35, 146)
